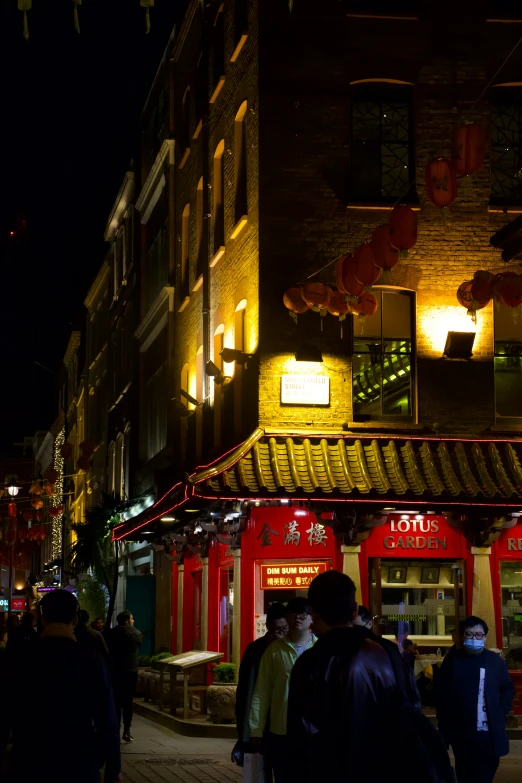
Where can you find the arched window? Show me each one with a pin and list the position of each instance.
(239, 345)
(240, 160)
(219, 197)
(199, 228)
(184, 135)
(383, 362)
(219, 344)
(382, 162)
(506, 145)
(185, 249)
(218, 59)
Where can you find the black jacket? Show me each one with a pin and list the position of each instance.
(248, 672)
(404, 675)
(124, 644)
(350, 720)
(457, 698)
(88, 636)
(61, 699)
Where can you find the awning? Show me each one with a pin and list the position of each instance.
(509, 240)
(364, 468)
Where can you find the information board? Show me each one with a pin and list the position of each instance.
(305, 390)
(290, 576)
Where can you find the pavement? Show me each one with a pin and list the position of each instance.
(159, 755)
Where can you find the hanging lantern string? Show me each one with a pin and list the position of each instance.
(325, 267)
(488, 85)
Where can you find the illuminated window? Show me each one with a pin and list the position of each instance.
(382, 383)
(200, 393)
(199, 228)
(240, 157)
(382, 164)
(508, 364)
(219, 344)
(239, 380)
(185, 245)
(240, 19)
(219, 191)
(184, 386)
(506, 146)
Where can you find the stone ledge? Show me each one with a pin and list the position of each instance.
(188, 728)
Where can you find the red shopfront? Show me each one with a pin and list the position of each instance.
(415, 577)
(282, 549)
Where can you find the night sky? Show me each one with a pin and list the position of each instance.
(69, 126)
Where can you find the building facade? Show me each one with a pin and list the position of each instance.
(270, 446)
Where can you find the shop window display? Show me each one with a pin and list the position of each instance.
(511, 592)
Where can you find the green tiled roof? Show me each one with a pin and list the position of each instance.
(367, 466)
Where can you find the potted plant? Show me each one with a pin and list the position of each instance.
(221, 695)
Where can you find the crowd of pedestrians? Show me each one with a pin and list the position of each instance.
(63, 695)
(332, 700)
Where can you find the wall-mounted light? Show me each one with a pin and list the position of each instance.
(214, 372)
(308, 353)
(459, 345)
(230, 355)
(13, 487)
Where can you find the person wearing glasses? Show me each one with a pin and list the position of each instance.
(474, 696)
(270, 697)
(276, 628)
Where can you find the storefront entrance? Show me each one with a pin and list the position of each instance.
(421, 599)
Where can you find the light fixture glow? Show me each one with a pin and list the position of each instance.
(167, 519)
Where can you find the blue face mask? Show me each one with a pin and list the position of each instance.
(474, 645)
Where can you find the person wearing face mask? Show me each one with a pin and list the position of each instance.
(474, 696)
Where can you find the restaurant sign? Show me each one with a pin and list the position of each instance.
(305, 390)
(290, 576)
(18, 604)
(418, 535)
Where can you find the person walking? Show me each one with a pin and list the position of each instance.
(124, 643)
(347, 716)
(70, 699)
(270, 697)
(276, 628)
(474, 696)
(87, 635)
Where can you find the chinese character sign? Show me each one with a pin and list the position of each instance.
(292, 534)
(293, 531)
(290, 576)
(266, 535)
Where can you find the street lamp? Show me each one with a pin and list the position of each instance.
(13, 488)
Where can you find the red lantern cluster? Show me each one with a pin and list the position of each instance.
(475, 294)
(441, 182)
(55, 511)
(467, 157)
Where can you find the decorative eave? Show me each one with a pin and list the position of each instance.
(364, 473)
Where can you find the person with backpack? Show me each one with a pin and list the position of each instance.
(347, 716)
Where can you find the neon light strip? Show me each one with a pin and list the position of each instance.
(188, 494)
(410, 502)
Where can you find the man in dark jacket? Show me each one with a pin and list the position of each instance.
(124, 643)
(87, 635)
(69, 697)
(474, 695)
(276, 628)
(347, 718)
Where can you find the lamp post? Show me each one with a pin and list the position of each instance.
(12, 488)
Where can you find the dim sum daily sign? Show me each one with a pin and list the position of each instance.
(290, 576)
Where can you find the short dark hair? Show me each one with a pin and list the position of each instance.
(83, 616)
(124, 617)
(364, 614)
(332, 596)
(470, 621)
(298, 606)
(59, 606)
(276, 611)
(407, 643)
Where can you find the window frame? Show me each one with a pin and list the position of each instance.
(499, 419)
(508, 95)
(379, 92)
(411, 417)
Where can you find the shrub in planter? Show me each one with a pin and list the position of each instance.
(225, 673)
(143, 660)
(221, 695)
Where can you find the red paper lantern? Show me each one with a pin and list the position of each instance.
(465, 298)
(11, 510)
(482, 286)
(293, 301)
(366, 271)
(316, 295)
(403, 228)
(66, 451)
(467, 149)
(347, 282)
(87, 448)
(83, 463)
(37, 503)
(22, 533)
(55, 511)
(48, 489)
(509, 289)
(338, 305)
(41, 532)
(28, 516)
(385, 255)
(35, 489)
(366, 305)
(441, 182)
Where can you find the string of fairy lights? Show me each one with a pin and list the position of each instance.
(57, 498)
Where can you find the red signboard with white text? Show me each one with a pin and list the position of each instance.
(18, 604)
(508, 546)
(286, 532)
(416, 536)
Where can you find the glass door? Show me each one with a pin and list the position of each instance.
(375, 607)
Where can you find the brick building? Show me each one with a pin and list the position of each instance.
(274, 142)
